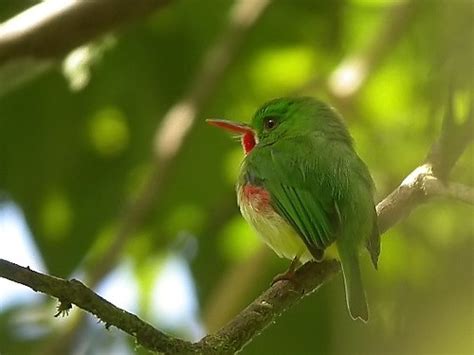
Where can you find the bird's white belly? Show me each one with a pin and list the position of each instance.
(272, 228)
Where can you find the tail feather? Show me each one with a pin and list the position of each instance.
(373, 242)
(355, 295)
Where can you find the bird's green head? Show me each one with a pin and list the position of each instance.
(288, 118)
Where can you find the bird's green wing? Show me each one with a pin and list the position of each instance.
(299, 182)
(308, 216)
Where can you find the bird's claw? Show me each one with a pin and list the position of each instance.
(285, 276)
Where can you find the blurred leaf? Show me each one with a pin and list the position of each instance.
(108, 132)
(56, 216)
(238, 240)
(282, 69)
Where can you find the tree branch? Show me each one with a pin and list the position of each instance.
(444, 153)
(32, 41)
(51, 29)
(75, 292)
(416, 188)
(453, 190)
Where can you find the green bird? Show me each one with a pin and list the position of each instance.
(305, 190)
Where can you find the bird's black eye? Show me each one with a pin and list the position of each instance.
(270, 122)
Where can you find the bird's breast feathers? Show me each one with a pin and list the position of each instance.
(255, 198)
(255, 206)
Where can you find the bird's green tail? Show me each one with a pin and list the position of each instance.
(355, 295)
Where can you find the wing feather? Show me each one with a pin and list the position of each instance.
(301, 197)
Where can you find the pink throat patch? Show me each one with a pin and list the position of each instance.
(257, 197)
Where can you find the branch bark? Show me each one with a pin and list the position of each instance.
(416, 188)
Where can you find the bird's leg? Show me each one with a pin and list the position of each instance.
(289, 274)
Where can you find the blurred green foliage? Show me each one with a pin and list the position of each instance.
(72, 159)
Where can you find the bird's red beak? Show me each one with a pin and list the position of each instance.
(248, 136)
(234, 127)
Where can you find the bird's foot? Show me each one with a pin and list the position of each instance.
(288, 275)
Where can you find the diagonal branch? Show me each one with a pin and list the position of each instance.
(444, 153)
(453, 190)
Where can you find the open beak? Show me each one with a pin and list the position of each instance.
(234, 127)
